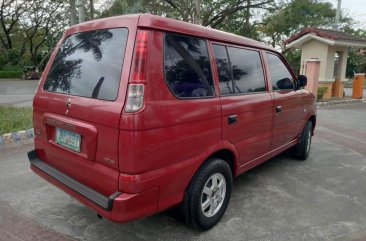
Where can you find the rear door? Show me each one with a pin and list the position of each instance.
(288, 114)
(246, 102)
(78, 105)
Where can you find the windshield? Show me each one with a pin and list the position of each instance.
(89, 64)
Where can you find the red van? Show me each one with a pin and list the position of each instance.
(137, 114)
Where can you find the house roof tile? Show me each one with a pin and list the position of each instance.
(325, 33)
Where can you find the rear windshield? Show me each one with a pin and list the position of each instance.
(89, 64)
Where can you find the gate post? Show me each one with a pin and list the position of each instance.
(357, 90)
(312, 68)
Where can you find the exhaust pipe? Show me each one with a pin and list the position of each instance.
(99, 216)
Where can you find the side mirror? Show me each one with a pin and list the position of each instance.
(301, 81)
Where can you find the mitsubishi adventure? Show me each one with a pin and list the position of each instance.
(137, 114)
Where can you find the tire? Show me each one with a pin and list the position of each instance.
(208, 195)
(302, 149)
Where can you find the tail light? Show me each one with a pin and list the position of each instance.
(135, 95)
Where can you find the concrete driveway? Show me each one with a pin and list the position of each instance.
(323, 198)
(14, 92)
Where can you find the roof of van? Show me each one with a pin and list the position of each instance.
(172, 25)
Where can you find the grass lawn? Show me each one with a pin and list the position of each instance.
(15, 119)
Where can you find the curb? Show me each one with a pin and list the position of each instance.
(338, 102)
(16, 138)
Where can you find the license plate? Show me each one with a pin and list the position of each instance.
(68, 139)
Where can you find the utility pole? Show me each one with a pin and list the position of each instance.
(81, 6)
(73, 20)
(338, 15)
(91, 7)
(197, 12)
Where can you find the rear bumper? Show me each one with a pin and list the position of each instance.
(118, 207)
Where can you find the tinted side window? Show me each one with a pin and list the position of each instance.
(187, 66)
(280, 76)
(240, 70)
(89, 64)
(247, 70)
(223, 69)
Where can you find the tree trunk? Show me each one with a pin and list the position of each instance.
(247, 21)
(81, 6)
(73, 20)
(45, 57)
(10, 42)
(91, 7)
(197, 11)
(3, 43)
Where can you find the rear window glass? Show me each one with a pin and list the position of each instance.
(187, 67)
(240, 70)
(89, 64)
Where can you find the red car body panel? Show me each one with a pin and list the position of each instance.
(150, 156)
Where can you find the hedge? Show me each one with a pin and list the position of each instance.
(321, 91)
(10, 74)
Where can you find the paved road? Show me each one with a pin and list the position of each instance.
(17, 92)
(323, 198)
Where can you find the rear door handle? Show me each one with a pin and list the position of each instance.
(278, 109)
(232, 119)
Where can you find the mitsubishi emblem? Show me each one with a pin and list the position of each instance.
(68, 105)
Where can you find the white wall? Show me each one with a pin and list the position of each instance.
(325, 53)
(318, 50)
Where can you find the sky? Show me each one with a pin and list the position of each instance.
(355, 9)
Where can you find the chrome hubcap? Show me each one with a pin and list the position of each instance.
(213, 194)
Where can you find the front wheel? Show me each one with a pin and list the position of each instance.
(303, 147)
(208, 194)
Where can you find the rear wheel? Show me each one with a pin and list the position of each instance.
(302, 149)
(208, 194)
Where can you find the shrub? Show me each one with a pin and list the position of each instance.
(321, 91)
(11, 74)
(3, 60)
(13, 56)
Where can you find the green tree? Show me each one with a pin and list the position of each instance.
(41, 24)
(356, 62)
(10, 13)
(289, 17)
(120, 7)
(222, 14)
